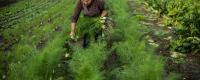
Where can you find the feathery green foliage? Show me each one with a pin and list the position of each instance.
(136, 62)
(86, 64)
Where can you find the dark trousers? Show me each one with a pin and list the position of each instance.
(87, 38)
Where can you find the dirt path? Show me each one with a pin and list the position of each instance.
(159, 36)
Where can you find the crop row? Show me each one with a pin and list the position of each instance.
(12, 35)
(29, 13)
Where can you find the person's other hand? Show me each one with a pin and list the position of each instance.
(72, 35)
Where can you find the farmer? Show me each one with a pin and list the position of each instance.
(91, 9)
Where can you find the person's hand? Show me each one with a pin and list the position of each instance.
(103, 18)
(72, 35)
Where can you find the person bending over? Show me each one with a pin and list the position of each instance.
(90, 9)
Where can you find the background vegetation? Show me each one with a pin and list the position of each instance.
(184, 16)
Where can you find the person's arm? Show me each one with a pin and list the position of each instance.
(73, 30)
(102, 8)
(104, 13)
(75, 19)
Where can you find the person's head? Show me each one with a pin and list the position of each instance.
(86, 2)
